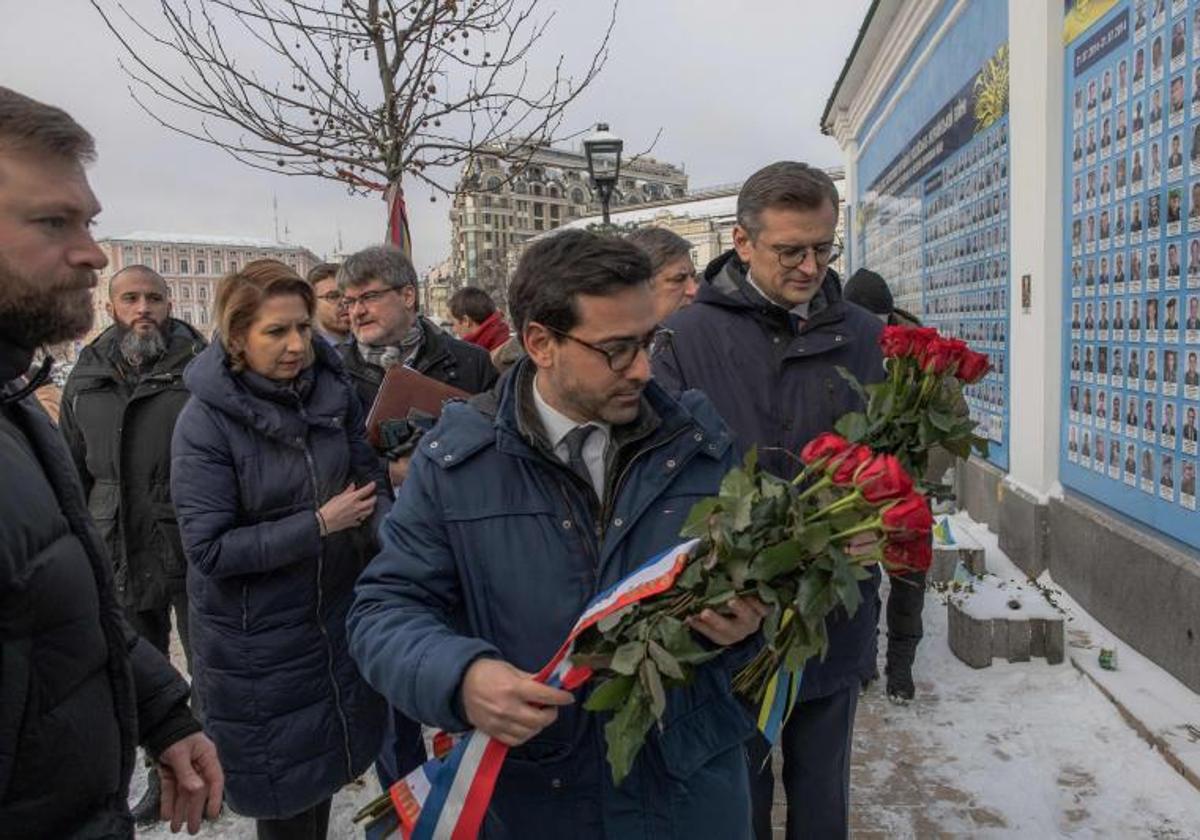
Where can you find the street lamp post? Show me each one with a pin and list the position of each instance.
(603, 149)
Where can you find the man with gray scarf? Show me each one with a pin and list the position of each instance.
(118, 413)
(379, 287)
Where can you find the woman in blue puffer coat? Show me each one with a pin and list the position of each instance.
(278, 495)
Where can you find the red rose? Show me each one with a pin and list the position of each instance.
(941, 355)
(908, 519)
(823, 447)
(842, 469)
(911, 556)
(896, 341)
(973, 367)
(883, 479)
(920, 336)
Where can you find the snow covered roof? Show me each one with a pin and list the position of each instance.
(202, 239)
(703, 208)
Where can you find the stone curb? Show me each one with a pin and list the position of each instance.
(1163, 747)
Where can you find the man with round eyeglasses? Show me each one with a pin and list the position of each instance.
(764, 340)
(332, 315)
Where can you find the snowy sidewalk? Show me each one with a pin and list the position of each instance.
(1014, 750)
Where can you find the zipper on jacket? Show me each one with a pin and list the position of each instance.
(245, 607)
(611, 497)
(337, 692)
(590, 542)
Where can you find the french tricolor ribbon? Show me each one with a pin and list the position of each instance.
(447, 797)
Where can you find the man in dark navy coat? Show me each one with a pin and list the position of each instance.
(763, 341)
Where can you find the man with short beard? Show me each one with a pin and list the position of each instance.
(119, 410)
(80, 688)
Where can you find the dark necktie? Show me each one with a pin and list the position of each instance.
(575, 439)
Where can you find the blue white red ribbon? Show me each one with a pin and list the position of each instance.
(447, 797)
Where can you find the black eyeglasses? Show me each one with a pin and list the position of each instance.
(366, 298)
(791, 257)
(621, 353)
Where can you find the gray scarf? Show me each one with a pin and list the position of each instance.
(388, 355)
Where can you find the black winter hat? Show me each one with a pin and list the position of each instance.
(868, 290)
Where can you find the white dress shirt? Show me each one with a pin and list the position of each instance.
(557, 425)
(800, 310)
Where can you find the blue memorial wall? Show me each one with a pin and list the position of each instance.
(932, 211)
(1131, 272)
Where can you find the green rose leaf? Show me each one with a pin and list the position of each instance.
(652, 681)
(776, 560)
(852, 426)
(610, 694)
(697, 523)
(626, 732)
(628, 657)
(941, 422)
(667, 664)
(610, 621)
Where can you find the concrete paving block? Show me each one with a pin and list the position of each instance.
(973, 559)
(976, 641)
(970, 638)
(1017, 645)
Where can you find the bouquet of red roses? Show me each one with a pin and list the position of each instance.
(919, 405)
(801, 547)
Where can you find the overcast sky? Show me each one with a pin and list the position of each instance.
(732, 85)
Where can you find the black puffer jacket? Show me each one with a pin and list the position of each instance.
(442, 357)
(77, 688)
(268, 595)
(119, 432)
(778, 388)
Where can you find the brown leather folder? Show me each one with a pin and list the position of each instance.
(403, 391)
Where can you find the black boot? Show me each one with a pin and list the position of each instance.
(900, 688)
(148, 809)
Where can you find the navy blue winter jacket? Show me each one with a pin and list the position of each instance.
(778, 388)
(492, 549)
(252, 460)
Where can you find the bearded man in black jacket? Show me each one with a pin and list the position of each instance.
(80, 689)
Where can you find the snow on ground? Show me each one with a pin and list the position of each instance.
(1014, 750)
(1023, 750)
(232, 827)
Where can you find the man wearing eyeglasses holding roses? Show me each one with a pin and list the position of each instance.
(763, 340)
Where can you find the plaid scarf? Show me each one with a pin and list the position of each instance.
(388, 355)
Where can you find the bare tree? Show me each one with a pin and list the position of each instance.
(365, 92)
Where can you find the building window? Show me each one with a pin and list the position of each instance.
(204, 316)
(166, 265)
(216, 266)
(202, 293)
(200, 267)
(233, 265)
(186, 292)
(183, 265)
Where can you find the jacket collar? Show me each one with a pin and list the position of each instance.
(725, 285)
(491, 323)
(15, 362)
(210, 380)
(98, 359)
(506, 417)
(431, 352)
